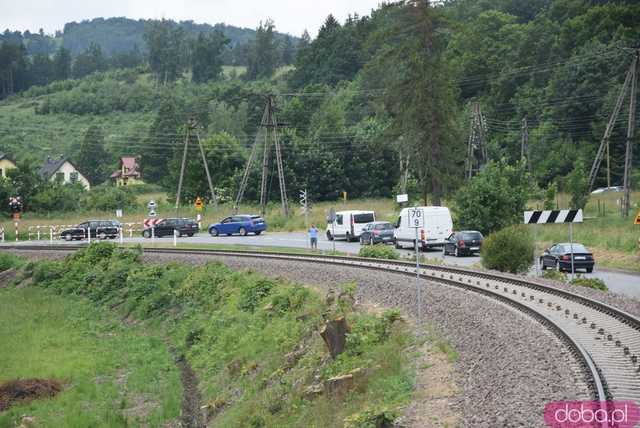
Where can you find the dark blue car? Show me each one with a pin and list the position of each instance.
(241, 224)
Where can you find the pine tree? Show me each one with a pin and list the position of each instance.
(263, 55)
(61, 64)
(206, 62)
(164, 139)
(93, 160)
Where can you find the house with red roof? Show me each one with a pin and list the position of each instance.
(129, 172)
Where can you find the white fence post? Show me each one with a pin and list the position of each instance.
(153, 233)
(175, 238)
(51, 234)
(121, 237)
(89, 235)
(38, 231)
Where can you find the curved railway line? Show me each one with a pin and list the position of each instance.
(606, 340)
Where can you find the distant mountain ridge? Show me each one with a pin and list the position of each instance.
(119, 35)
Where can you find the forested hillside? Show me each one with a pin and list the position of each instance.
(372, 103)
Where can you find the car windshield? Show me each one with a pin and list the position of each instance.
(470, 236)
(577, 248)
(363, 218)
(383, 226)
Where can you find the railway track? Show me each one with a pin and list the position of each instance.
(604, 339)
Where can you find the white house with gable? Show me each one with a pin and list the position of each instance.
(62, 170)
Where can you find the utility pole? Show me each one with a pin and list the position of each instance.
(630, 84)
(477, 141)
(628, 155)
(524, 148)
(182, 166)
(214, 199)
(269, 125)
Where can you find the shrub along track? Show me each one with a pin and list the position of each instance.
(509, 366)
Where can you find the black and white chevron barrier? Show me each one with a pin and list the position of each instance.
(553, 216)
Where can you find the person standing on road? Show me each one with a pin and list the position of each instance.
(313, 236)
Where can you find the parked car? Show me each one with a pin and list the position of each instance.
(241, 224)
(349, 224)
(558, 256)
(607, 189)
(376, 232)
(438, 226)
(100, 229)
(166, 227)
(463, 243)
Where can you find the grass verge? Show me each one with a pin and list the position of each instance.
(114, 375)
(253, 342)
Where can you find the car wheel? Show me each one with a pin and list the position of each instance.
(68, 237)
(146, 234)
(542, 265)
(190, 235)
(589, 270)
(347, 237)
(213, 231)
(242, 231)
(397, 245)
(329, 236)
(102, 236)
(258, 232)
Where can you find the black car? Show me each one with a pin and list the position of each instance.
(463, 242)
(376, 232)
(559, 257)
(101, 229)
(184, 226)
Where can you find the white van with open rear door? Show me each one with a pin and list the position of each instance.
(349, 224)
(438, 226)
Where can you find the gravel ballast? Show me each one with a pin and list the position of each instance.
(509, 366)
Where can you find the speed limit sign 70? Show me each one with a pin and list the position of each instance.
(416, 218)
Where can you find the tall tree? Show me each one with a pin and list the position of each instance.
(164, 139)
(168, 51)
(288, 51)
(206, 61)
(263, 54)
(13, 68)
(41, 69)
(61, 64)
(419, 93)
(89, 61)
(93, 160)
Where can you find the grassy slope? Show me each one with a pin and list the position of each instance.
(113, 373)
(236, 329)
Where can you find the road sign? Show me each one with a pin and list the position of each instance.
(416, 219)
(402, 198)
(151, 222)
(118, 213)
(199, 204)
(553, 216)
(637, 221)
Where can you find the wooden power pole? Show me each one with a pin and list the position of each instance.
(477, 145)
(630, 85)
(268, 129)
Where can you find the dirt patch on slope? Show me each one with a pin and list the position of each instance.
(6, 277)
(23, 391)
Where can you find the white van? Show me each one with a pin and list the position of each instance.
(438, 226)
(349, 224)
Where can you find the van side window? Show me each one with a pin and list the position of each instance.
(339, 219)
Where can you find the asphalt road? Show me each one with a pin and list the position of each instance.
(618, 282)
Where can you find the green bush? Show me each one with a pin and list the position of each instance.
(508, 250)
(596, 283)
(554, 275)
(107, 198)
(8, 261)
(379, 251)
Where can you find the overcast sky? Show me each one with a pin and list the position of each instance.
(290, 16)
